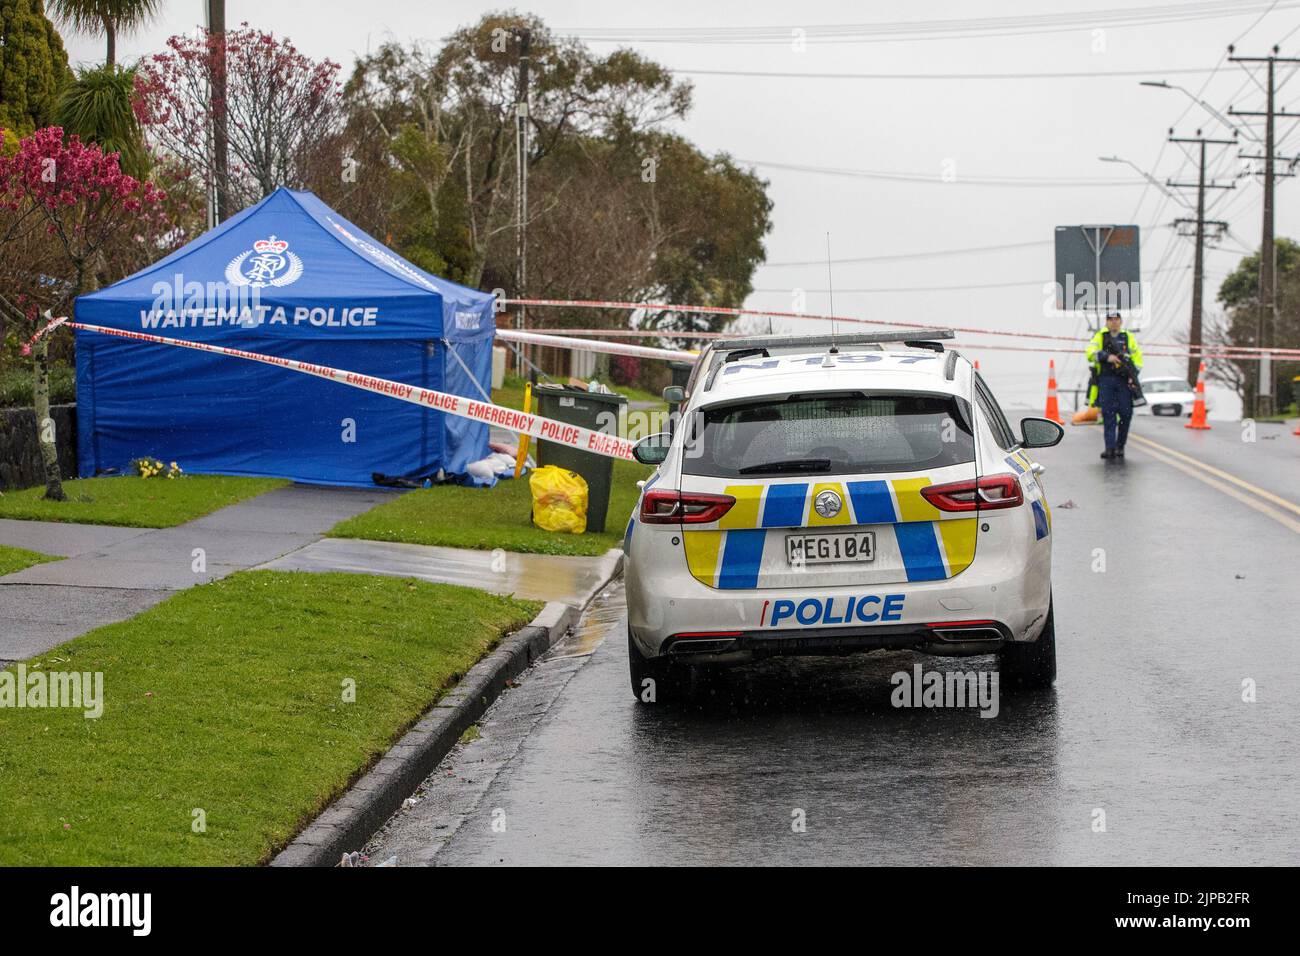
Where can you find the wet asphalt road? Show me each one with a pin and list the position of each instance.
(1146, 722)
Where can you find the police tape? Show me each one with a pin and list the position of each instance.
(1244, 350)
(551, 337)
(559, 341)
(545, 429)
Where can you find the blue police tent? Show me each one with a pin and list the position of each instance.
(287, 277)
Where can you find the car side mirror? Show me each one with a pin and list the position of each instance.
(674, 394)
(1040, 432)
(653, 449)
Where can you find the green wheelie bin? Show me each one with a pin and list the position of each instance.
(598, 411)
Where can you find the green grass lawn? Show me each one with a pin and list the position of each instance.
(135, 502)
(1287, 412)
(635, 394)
(499, 517)
(15, 559)
(487, 518)
(511, 394)
(228, 699)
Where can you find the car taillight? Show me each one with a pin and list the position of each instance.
(672, 507)
(984, 494)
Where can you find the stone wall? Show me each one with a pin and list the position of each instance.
(20, 455)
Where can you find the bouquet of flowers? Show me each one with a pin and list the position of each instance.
(153, 468)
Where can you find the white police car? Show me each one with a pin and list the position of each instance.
(827, 495)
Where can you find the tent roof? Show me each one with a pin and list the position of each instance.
(292, 252)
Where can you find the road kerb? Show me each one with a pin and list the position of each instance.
(364, 807)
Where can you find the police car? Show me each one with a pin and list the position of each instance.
(834, 494)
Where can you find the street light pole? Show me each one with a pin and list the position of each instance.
(1166, 85)
(217, 103)
(1145, 175)
(1198, 270)
(1198, 277)
(1267, 315)
(524, 35)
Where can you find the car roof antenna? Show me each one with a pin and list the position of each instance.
(830, 288)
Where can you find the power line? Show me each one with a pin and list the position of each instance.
(901, 30)
(1165, 283)
(1166, 280)
(897, 176)
(896, 257)
(1080, 74)
(1175, 306)
(1162, 289)
(933, 254)
(1146, 186)
(933, 288)
(1256, 23)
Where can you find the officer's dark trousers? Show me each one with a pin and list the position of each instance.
(1116, 403)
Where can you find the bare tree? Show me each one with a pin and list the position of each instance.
(280, 108)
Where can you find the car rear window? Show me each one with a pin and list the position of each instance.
(1165, 385)
(829, 434)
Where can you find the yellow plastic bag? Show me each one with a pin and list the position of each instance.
(559, 499)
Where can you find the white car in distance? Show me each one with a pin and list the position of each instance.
(1169, 395)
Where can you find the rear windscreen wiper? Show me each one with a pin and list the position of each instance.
(793, 464)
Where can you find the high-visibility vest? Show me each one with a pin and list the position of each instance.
(1093, 351)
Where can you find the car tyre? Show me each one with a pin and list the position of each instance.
(669, 678)
(1030, 665)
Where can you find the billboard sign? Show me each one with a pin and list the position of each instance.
(1097, 269)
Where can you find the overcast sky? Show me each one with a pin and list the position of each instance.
(947, 137)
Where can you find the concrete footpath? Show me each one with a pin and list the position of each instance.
(536, 577)
(110, 574)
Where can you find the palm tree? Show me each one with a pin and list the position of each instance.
(111, 16)
(97, 107)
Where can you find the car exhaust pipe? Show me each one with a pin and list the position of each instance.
(967, 631)
(710, 642)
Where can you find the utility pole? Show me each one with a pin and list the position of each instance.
(1194, 338)
(1267, 261)
(525, 37)
(217, 101)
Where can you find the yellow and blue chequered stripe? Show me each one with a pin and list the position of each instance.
(1042, 513)
(1041, 524)
(933, 546)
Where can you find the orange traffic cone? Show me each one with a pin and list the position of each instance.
(977, 365)
(1053, 406)
(1198, 410)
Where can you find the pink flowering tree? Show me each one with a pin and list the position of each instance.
(279, 108)
(67, 212)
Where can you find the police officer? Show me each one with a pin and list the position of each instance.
(1116, 359)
